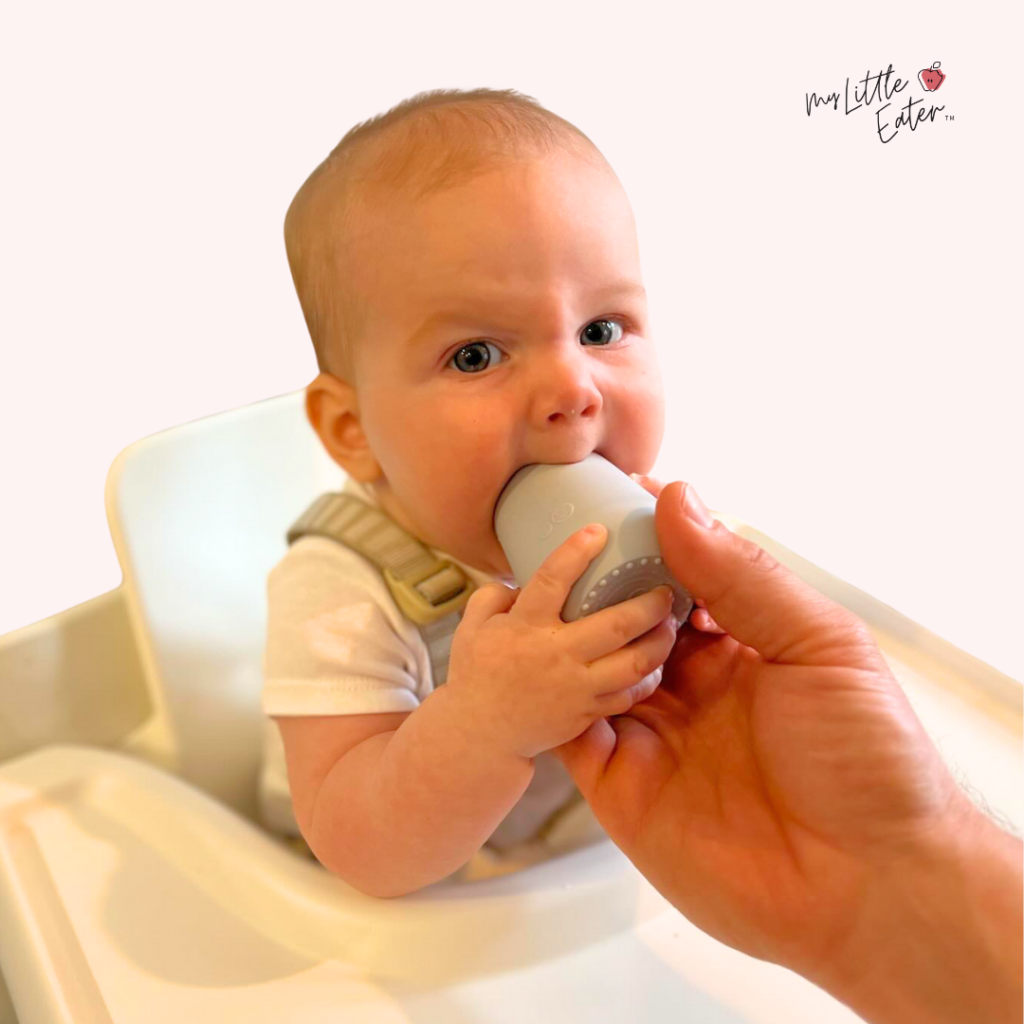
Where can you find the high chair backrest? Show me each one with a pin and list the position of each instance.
(198, 515)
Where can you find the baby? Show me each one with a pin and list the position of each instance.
(469, 272)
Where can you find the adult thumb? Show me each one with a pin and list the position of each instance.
(749, 593)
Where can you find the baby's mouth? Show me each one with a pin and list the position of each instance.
(595, 451)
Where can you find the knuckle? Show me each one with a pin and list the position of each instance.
(860, 630)
(855, 628)
(544, 578)
(647, 686)
(620, 703)
(643, 662)
(621, 629)
(760, 565)
(640, 690)
(481, 593)
(761, 562)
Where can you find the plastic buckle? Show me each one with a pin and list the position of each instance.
(417, 607)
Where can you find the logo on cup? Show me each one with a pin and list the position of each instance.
(559, 515)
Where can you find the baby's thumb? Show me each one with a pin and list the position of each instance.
(487, 601)
(750, 594)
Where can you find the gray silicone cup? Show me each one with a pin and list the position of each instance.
(543, 505)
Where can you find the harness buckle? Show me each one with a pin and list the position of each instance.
(437, 591)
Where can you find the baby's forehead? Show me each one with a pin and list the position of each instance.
(416, 246)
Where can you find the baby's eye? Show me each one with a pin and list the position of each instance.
(475, 363)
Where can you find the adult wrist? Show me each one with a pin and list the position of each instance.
(939, 939)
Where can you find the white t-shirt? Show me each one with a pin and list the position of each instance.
(337, 644)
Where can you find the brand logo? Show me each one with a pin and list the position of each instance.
(913, 114)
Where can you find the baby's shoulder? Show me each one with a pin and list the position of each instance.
(323, 559)
(318, 575)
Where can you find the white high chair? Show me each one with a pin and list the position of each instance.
(136, 883)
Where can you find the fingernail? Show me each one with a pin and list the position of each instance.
(695, 509)
(673, 622)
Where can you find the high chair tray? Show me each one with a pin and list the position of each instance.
(128, 896)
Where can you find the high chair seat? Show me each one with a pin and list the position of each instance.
(137, 885)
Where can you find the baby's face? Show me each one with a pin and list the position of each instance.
(508, 326)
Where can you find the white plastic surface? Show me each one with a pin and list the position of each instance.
(198, 515)
(127, 895)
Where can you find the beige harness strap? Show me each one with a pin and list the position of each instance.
(431, 592)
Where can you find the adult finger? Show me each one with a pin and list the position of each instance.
(750, 594)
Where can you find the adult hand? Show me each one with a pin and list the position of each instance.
(779, 773)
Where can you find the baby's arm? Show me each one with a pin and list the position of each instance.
(393, 802)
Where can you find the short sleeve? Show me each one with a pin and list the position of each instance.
(336, 643)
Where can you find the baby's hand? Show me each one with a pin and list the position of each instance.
(700, 617)
(529, 681)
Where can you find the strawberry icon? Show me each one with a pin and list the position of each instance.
(931, 78)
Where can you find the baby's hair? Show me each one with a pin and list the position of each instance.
(426, 144)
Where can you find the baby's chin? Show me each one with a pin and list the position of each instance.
(486, 555)
(494, 562)
(497, 562)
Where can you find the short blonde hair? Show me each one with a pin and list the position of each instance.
(430, 142)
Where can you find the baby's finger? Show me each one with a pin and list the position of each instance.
(485, 602)
(632, 673)
(543, 597)
(701, 619)
(620, 702)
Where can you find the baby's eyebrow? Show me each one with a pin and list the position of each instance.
(471, 308)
